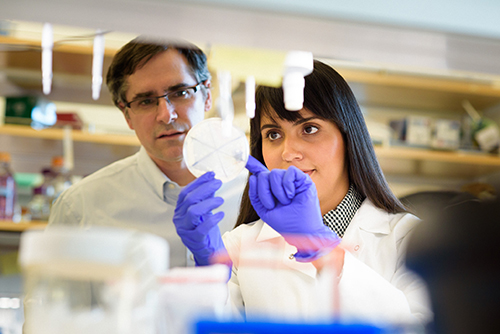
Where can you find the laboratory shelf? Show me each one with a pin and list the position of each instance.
(10, 226)
(420, 90)
(76, 135)
(457, 157)
(461, 166)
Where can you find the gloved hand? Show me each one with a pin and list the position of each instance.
(287, 201)
(194, 221)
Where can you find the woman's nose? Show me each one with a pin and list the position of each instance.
(291, 150)
(165, 111)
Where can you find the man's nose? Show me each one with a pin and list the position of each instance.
(165, 111)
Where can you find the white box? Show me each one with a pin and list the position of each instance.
(446, 134)
(418, 131)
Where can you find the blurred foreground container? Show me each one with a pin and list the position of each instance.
(99, 280)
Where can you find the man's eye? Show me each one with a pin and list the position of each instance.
(310, 129)
(180, 94)
(146, 102)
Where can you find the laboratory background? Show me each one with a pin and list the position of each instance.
(425, 73)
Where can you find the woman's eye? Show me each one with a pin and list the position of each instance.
(310, 129)
(273, 135)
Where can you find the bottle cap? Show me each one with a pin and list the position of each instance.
(57, 161)
(5, 156)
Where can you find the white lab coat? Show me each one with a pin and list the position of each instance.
(374, 286)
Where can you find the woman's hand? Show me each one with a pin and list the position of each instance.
(194, 221)
(287, 201)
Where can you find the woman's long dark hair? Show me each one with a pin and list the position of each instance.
(327, 95)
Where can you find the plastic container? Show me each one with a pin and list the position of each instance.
(193, 293)
(7, 188)
(99, 280)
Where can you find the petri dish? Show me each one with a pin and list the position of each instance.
(209, 147)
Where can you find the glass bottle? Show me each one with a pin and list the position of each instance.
(7, 188)
(39, 205)
(61, 178)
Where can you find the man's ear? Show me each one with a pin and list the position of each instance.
(208, 100)
(124, 110)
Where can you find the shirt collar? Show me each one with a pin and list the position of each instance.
(152, 174)
(339, 218)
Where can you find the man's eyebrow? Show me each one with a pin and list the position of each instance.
(178, 86)
(152, 93)
(140, 95)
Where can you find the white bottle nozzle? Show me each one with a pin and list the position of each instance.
(97, 63)
(250, 96)
(47, 45)
(293, 91)
(297, 65)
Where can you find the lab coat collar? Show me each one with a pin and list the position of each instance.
(267, 233)
(151, 173)
(371, 219)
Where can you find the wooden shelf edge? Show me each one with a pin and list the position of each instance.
(457, 85)
(10, 226)
(441, 156)
(66, 46)
(58, 134)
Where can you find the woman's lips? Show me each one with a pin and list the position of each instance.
(308, 171)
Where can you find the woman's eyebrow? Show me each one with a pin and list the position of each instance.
(305, 120)
(269, 126)
(297, 122)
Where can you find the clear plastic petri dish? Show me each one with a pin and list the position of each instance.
(209, 147)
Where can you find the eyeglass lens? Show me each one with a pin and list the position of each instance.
(174, 98)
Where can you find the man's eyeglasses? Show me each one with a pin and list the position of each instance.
(175, 98)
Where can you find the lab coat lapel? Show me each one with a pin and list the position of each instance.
(285, 251)
(372, 219)
(368, 219)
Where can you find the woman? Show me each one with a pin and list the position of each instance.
(315, 176)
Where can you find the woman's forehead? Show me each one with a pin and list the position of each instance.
(270, 116)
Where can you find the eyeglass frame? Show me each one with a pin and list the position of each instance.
(195, 89)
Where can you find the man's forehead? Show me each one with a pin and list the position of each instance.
(159, 74)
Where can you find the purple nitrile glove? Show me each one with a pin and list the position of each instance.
(194, 221)
(287, 201)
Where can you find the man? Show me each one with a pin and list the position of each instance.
(163, 91)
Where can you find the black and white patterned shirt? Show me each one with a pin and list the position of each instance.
(339, 218)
